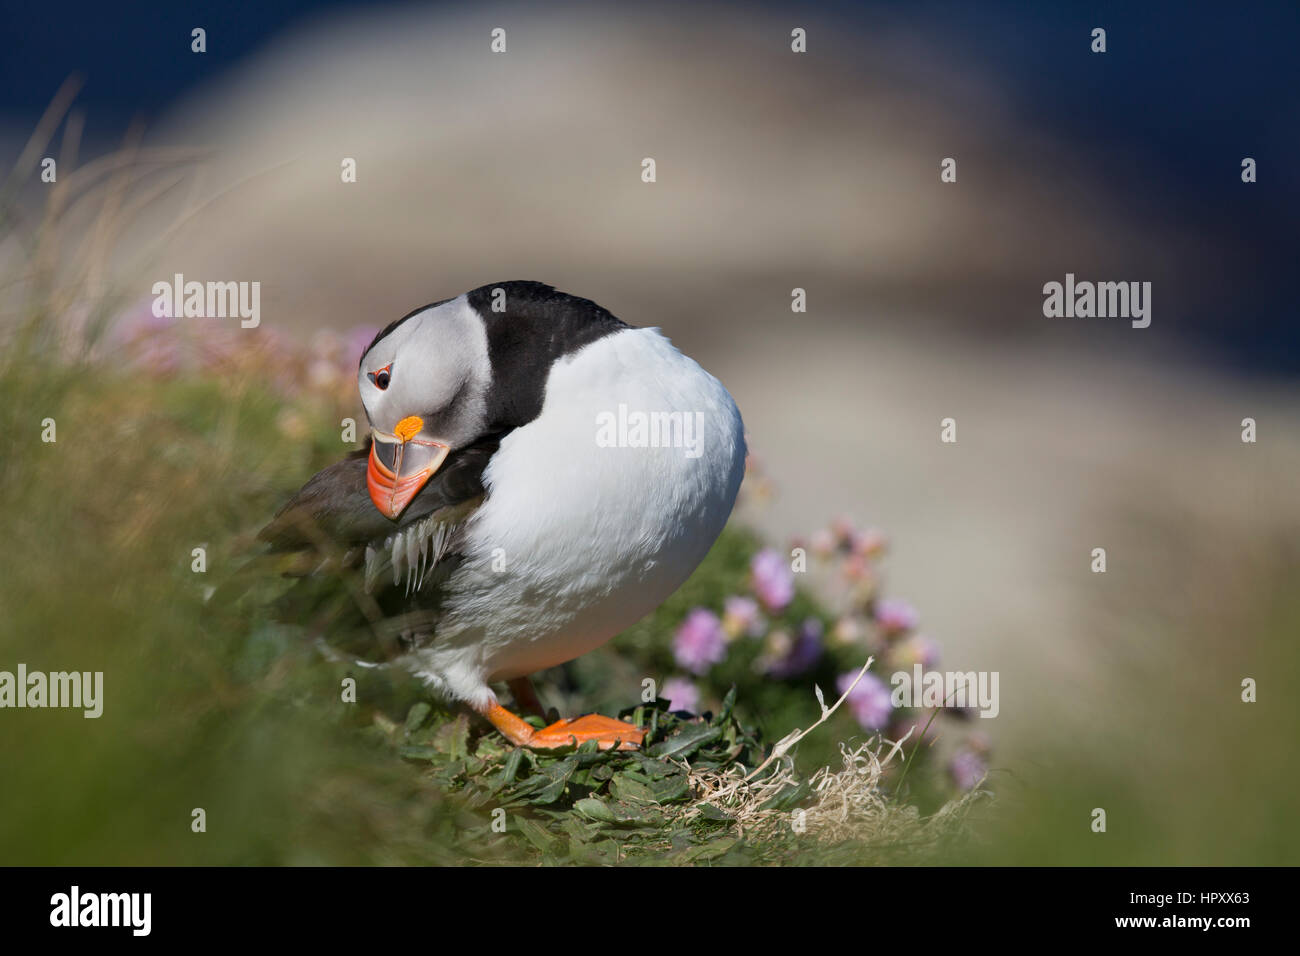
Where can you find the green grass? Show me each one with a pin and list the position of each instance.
(219, 706)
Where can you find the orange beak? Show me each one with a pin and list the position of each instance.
(400, 464)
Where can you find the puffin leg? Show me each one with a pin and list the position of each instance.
(607, 731)
(526, 697)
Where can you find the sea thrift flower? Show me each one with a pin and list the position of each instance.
(778, 645)
(217, 348)
(849, 629)
(868, 544)
(700, 642)
(773, 579)
(869, 701)
(151, 341)
(276, 360)
(355, 344)
(822, 543)
(740, 615)
(895, 616)
(914, 649)
(803, 652)
(967, 769)
(856, 568)
(681, 694)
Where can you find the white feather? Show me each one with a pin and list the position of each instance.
(593, 538)
(397, 551)
(412, 556)
(372, 568)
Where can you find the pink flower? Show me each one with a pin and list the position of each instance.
(895, 616)
(848, 630)
(681, 694)
(700, 642)
(740, 615)
(355, 344)
(857, 568)
(868, 544)
(773, 579)
(914, 649)
(869, 701)
(967, 769)
(150, 340)
(801, 653)
(823, 543)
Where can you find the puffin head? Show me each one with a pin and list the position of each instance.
(423, 381)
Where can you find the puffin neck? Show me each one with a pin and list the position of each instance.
(538, 327)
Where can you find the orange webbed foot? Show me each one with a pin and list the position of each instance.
(606, 731)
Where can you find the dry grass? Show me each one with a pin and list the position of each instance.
(848, 804)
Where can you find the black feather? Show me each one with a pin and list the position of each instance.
(335, 505)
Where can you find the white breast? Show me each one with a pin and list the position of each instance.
(578, 540)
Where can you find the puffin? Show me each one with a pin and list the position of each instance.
(538, 477)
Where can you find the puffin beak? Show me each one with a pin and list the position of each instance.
(400, 464)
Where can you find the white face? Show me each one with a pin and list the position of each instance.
(435, 366)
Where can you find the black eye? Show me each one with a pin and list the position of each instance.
(381, 379)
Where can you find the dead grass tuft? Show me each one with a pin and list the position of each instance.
(847, 804)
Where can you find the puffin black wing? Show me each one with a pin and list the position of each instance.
(334, 506)
(330, 530)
